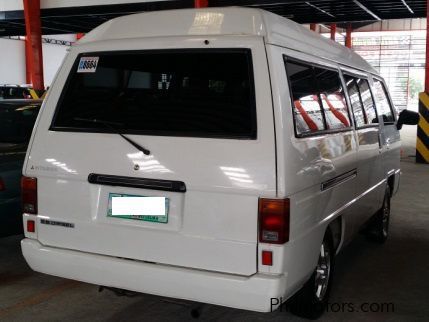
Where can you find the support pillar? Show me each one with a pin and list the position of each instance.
(333, 30)
(27, 62)
(422, 144)
(33, 44)
(201, 3)
(349, 36)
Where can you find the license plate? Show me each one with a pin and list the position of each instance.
(144, 208)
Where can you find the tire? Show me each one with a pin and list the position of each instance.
(379, 228)
(311, 300)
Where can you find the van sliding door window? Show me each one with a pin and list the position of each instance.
(367, 101)
(318, 99)
(197, 93)
(383, 104)
(356, 101)
(333, 100)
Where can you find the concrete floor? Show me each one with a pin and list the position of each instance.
(396, 272)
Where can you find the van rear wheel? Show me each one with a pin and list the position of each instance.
(379, 227)
(311, 300)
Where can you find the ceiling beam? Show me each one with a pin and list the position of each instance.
(317, 8)
(407, 6)
(366, 9)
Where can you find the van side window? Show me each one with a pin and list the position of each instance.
(355, 100)
(368, 102)
(332, 97)
(383, 104)
(318, 98)
(307, 109)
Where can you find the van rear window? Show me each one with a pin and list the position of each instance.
(198, 93)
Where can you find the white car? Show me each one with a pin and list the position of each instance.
(220, 155)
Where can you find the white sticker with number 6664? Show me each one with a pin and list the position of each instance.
(87, 65)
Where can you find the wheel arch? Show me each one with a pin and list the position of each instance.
(336, 230)
(391, 183)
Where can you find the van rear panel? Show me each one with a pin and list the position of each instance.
(205, 115)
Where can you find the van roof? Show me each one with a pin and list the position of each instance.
(227, 21)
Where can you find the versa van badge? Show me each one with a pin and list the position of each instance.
(56, 223)
(43, 168)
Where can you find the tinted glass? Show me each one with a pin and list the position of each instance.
(368, 103)
(203, 93)
(383, 104)
(13, 92)
(17, 121)
(355, 100)
(333, 100)
(307, 110)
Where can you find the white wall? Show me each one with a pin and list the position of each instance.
(53, 56)
(396, 25)
(12, 61)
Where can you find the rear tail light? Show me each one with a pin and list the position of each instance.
(267, 258)
(31, 226)
(274, 220)
(29, 195)
(2, 185)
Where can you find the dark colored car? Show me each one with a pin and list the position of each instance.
(14, 92)
(17, 119)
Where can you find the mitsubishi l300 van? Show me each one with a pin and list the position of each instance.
(222, 155)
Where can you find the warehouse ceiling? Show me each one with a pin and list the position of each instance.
(83, 19)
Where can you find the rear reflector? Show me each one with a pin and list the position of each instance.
(29, 195)
(274, 221)
(267, 258)
(2, 185)
(31, 226)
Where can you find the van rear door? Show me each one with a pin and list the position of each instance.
(204, 114)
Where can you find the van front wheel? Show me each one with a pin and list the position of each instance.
(311, 300)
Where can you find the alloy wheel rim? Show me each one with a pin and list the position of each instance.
(323, 271)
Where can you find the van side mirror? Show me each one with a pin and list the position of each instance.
(407, 117)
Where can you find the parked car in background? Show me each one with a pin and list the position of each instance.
(17, 118)
(14, 92)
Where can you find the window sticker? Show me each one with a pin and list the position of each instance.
(87, 65)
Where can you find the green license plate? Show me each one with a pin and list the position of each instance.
(144, 208)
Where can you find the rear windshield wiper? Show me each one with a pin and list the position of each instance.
(111, 126)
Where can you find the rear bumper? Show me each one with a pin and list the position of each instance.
(249, 293)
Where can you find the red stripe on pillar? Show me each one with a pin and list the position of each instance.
(201, 3)
(313, 27)
(33, 39)
(27, 62)
(349, 36)
(333, 30)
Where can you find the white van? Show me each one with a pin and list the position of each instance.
(220, 155)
